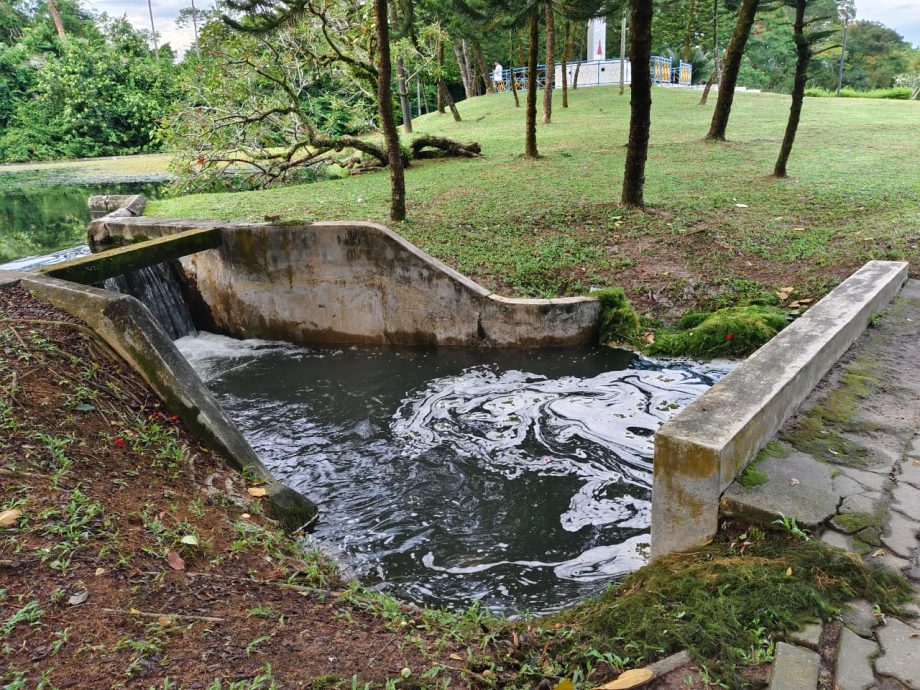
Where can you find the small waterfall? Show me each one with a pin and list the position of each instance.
(158, 288)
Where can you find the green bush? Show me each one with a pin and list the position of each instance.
(731, 332)
(619, 322)
(900, 93)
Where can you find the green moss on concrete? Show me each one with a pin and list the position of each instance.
(850, 523)
(811, 435)
(731, 332)
(752, 477)
(774, 449)
(619, 322)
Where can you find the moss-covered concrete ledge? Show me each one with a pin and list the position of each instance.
(122, 204)
(700, 451)
(95, 268)
(131, 331)
(348, 282)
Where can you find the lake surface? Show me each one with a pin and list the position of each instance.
(518, 479)
(38, 216)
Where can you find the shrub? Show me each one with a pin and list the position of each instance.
(901, 93)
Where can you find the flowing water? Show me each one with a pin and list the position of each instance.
(517, 479)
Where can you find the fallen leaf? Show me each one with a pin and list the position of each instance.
(789, 571)
(133, 612)
(649, 337)
(256, 491)
(456, 657)
(633, 678)
(165, 621)
(245, 516)
(190, 539)
(8, 518)
(564, 684)
(741, 206)
(175, 561)
(100, 572)
(878, 553)
(794, 482)
(807, 301)
(77, 599)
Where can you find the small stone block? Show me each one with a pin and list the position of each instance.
(854, 662)
(809, 636)
(901, 535)
(859, 617)
(900, 657)
(794, 668)
(836, 539)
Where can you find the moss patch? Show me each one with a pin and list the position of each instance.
(752, 477)
(619, 322)
(731, 332)
(817, 433)
(851, 523)
(723, 603)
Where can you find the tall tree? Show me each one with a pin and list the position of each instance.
(714, 74)
(804, 50)
(640, 103)
(846, 10)
(548, 83)
(688, 32)
(56, 18)
(385, 105)
(730, 67)
(530, 127)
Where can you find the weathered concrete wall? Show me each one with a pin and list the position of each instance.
(124, 204)
(129, 329)
(700, 451)
(349, 282)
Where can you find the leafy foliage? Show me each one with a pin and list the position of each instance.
(731, 332)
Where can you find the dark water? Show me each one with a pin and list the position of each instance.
(37, 218)
(518, 479)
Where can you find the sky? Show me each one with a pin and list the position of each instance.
(901, 15)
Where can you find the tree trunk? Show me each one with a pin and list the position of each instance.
(803, 57)
(440, 81)
(481, 63)
(843, 56)
(566, 47)
(404, 103)
(56, 18)
(530, 138)
(730, 67)
(640, 102)
(470, 71)
(714, 75)
(447, 98)
(464, 71)
(511, 80)
(578, 52)
(385, 105)
(688, 32)
(549, 82)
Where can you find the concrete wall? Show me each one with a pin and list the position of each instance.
(351, 282)
(130, 330)
(700, 451)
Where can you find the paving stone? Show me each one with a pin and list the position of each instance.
(901, 535)
(835, 538)
(907, 500)
(794, 668)
(900, 657)
(846, 486)
(873, 481)
(910, 471)
(889, 560)
(797, 486)
(809, 636)
(859, 616)
(861, 502)
(854, 662)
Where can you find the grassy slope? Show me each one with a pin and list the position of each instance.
(552, 227)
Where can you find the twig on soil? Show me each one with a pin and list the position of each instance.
(147, 614)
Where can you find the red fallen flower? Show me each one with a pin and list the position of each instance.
(119, 441)
(730, 337)
(201, 160)
(174, 418)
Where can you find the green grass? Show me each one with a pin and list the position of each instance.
(553, 227)
(902, 93)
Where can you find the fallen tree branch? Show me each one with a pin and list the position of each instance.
(445, 147)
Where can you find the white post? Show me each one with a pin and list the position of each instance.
(623, 53)
(153, 30)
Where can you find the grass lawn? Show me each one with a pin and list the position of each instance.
(552, 226)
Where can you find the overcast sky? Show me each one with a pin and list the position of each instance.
(901, 15)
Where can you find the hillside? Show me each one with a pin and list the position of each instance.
(552, 227)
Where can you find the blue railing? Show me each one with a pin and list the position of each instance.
(661, 69)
